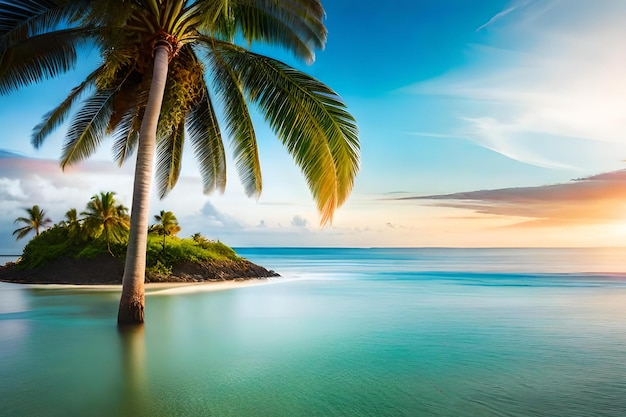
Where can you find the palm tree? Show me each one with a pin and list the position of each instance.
(106, 218)
(72, 222)
(151, 89)
(35, 221)
(167, 225)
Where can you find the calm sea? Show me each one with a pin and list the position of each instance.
(345, 332)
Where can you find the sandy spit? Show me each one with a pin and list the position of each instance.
(167, 288)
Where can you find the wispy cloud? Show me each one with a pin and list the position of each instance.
(549, 84)
(593, 200)
(433, 135)
(516, 5)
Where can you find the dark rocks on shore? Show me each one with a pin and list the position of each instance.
(106, 269)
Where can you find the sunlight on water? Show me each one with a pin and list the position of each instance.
(375, 333)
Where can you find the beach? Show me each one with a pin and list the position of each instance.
(162, 288)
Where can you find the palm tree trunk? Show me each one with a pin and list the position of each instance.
(131, 310)
(106, 236)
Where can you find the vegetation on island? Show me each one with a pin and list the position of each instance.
(165, 64)
(101, 232)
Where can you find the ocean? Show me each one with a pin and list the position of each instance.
(344, 332)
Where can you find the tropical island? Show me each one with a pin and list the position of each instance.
(89, 248)
(164, 67)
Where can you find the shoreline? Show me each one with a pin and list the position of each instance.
(162, 288)
(107, 270)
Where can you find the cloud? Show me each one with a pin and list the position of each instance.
(433, 135)
(26, 181)
(593, 200)
(213, 218)
(29, 181)
(503, 13)
(11, 189)
(548, 85)
(298, 221)
(395, 226)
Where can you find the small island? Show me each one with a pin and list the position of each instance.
(90, 250)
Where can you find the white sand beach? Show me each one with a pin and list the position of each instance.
(167, 288)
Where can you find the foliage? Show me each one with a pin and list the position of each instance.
(158, 272)
(73, 223)
(210, 62)
(167, 225)
(180, 250)
(34, 222)
(91, 251)
(219, 248)
(104, 217)
(214, 246)
(61, 241)
(75, 238)
(49, 245)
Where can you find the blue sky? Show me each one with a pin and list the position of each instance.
(482, 123)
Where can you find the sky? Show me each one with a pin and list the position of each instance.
(491, 123)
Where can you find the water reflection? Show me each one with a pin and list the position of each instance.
(133, 386)
(14, 326)
(388, 341)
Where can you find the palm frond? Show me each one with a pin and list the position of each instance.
(126, 132)
(126, 135)
(131, 94)
(22, 220)
(22, 232)
(88, 127)
(309, 118)
(58, 115)
(118, 232)
(108, 14)
(169, 159)
(206, 139)
(116, 61)
(216, 18)
(29, 17)
(296, 25)
(38, 57)
(239, 125)
(181, 21)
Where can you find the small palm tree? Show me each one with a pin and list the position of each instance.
(167, 225)
(106, 218)
(35, 221)
(72, 222)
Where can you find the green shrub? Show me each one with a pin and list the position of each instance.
(223, 250)
(37, 259)
(217, 249)
(90, 252)
(58, 242)
(49, 245)
(158, 272)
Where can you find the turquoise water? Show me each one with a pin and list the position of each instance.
(346, 332)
